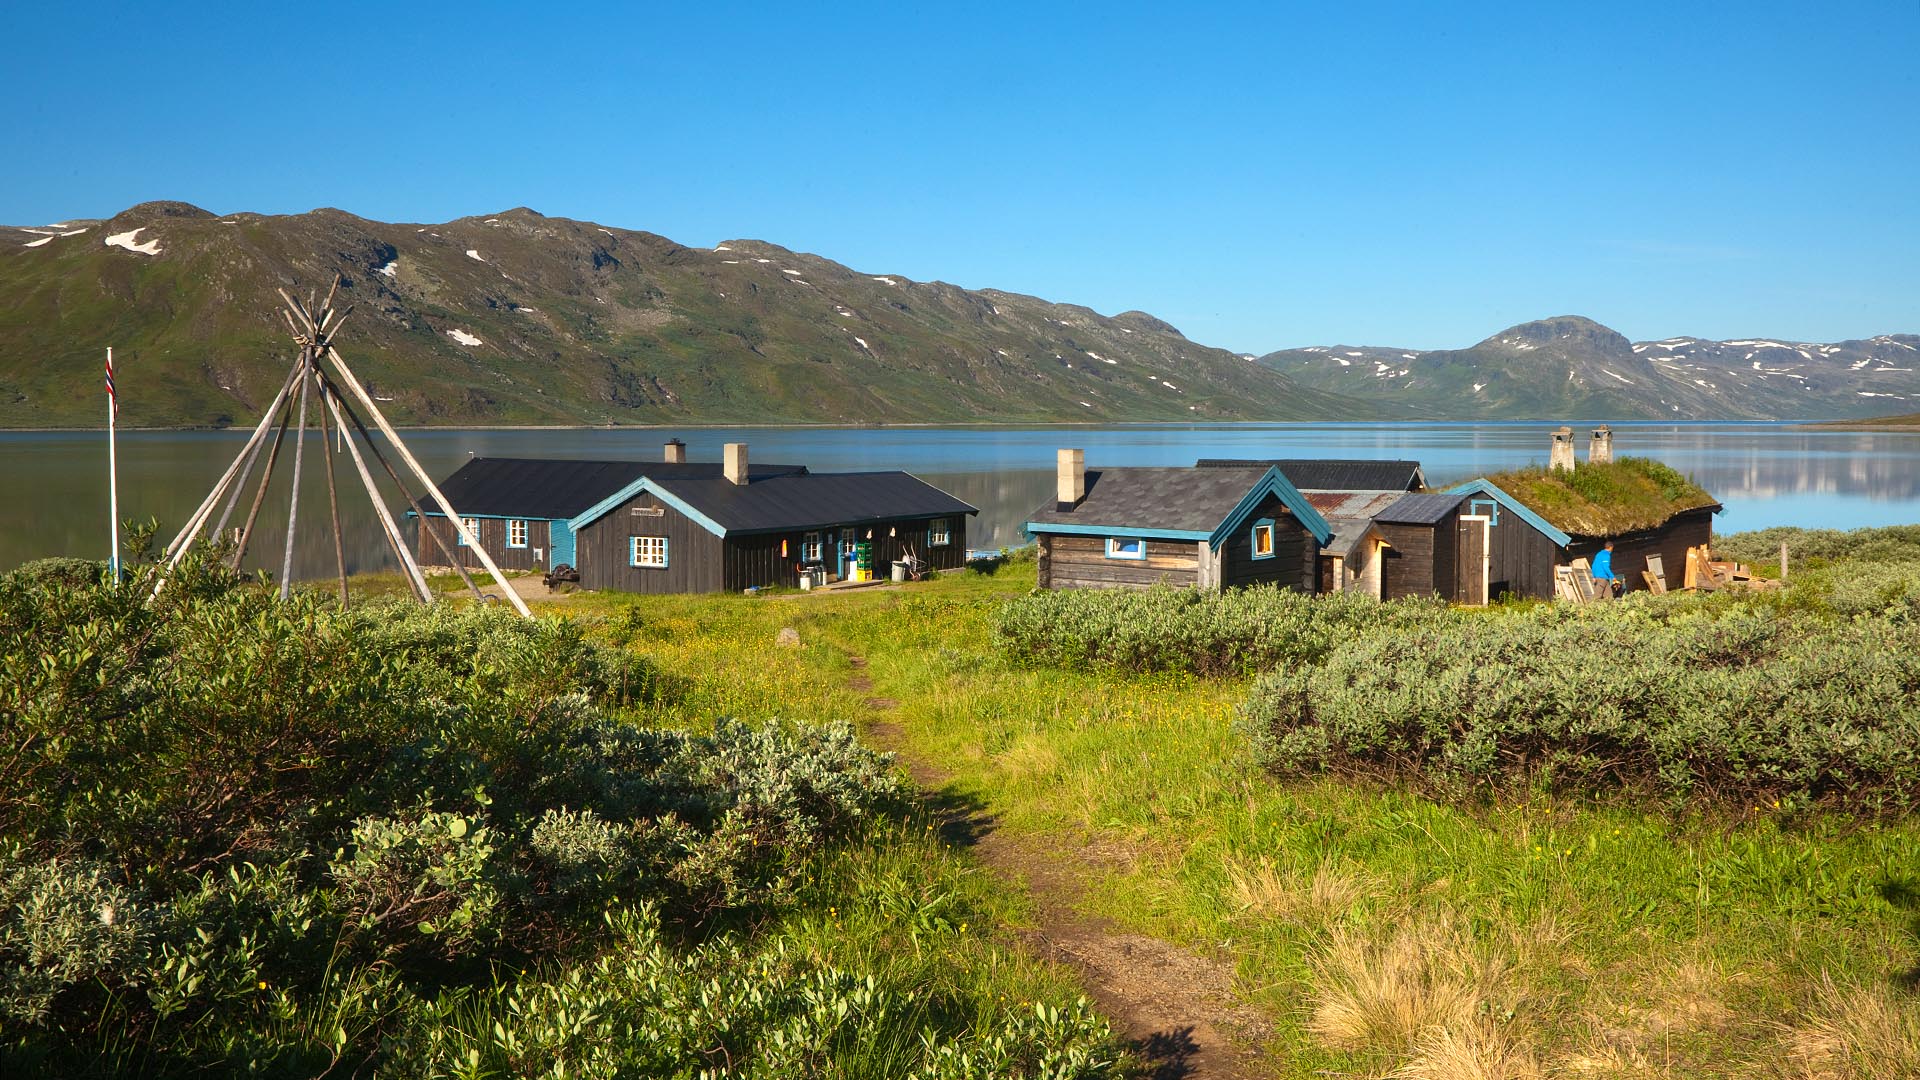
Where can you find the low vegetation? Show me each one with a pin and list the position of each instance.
(1608, 499)
(277, 838)
(1894, 543)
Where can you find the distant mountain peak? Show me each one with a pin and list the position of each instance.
(1576, 329)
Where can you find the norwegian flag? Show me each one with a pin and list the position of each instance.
(112, 401)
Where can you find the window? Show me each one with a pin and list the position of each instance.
(810, 547)
(647, 551)
(473, 526)
(1126, 547)
(938, 533)
(1263, 538)
(516, 534)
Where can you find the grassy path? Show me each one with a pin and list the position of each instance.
(1176, 1008)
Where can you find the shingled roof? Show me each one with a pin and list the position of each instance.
(1188, 503)
(556, 488)
(1420, 509)
(1334, 474)
(808, 500)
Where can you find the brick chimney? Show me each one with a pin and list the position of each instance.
(676, 452)
(1562, 457)
(1070, 479)
(736, 467)
(1600, 448)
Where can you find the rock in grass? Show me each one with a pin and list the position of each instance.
(788, 638)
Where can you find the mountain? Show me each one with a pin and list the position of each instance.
(518, 318)
(1572, 367)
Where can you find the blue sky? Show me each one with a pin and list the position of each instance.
(1260, 176)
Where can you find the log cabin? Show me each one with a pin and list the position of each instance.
(678, 526)
(1542, 519)
(1211, 528)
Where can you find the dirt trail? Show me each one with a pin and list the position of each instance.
(1175, 1008)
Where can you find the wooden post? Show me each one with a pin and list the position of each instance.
(260, 495)
(293, 500)
(1783, 560)
(414, 576)
(453, 557)
(199, 517)
(333, 501)
(380, 421)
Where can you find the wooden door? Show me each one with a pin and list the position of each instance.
(1473, 561)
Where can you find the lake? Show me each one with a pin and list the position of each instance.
(53, 483)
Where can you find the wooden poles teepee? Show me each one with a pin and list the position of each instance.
(313, 327)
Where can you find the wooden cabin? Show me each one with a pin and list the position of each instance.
(1539, 520)
(680, 526)
(1210, 528)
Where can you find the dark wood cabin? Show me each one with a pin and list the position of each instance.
(1427, 553)
(688, 533)
(1525, 547)
(1209, 528)
(679, 526)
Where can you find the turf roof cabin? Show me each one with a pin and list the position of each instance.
(680, 526)
(1543, 519)
(1211, 528)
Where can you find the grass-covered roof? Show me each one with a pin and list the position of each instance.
(1620, 496)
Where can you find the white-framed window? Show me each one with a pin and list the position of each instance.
(516, 533)
(940, 533)
(647, 551)
(473, 526)
(1126, 547)
(810, 549)
(1263, 538)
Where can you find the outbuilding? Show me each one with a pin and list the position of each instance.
(1213, 528)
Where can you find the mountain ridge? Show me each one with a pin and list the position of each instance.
(521, 318)
(1572, 366)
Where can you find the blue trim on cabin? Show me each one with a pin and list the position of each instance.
(1274, 483)
(1492, 506)
(1035, 528)
(559, 543)
(1253, 538)
(1114, 551)
(612, 502)
(1484, 487)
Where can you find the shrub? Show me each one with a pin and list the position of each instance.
(1895, 543)
(1717, 701)
(1192, 630)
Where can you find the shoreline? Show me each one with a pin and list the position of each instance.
(800, 425)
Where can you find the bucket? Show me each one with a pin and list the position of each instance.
(899, 571)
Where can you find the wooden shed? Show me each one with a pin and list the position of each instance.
(1211, 528)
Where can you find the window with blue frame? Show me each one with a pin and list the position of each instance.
(516, 533)
(647, 551)
(939, 533)
(1126, 547)
(1263, 538)
(810, 547)
(473, 526)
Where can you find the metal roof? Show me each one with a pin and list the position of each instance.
(805, 500)
(1334, 474)
(1428, 509)
(1352, 504)
(556, 488)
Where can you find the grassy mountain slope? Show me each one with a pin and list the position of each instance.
(521, 318)
(1569, 367)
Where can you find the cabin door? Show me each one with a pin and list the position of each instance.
(1475, 557)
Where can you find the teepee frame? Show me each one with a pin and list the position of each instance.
(314, 327)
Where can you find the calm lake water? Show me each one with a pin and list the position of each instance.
(52, 484)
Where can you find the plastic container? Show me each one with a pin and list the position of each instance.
(899, 570)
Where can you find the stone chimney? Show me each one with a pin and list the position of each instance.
(736, 467)
(1600, 449)
(1070, 481)
(1562, 457)
(676, 452)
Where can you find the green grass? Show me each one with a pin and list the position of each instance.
(1578, 938)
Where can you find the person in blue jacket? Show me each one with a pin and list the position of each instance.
(1603, 569)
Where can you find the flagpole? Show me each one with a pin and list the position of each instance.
(113, 473)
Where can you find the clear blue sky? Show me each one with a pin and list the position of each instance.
(1261, 176)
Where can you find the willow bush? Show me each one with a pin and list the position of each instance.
(273, 837)
(1685, 699)
(1204, 632)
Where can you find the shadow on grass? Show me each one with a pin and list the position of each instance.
(1904, 895)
